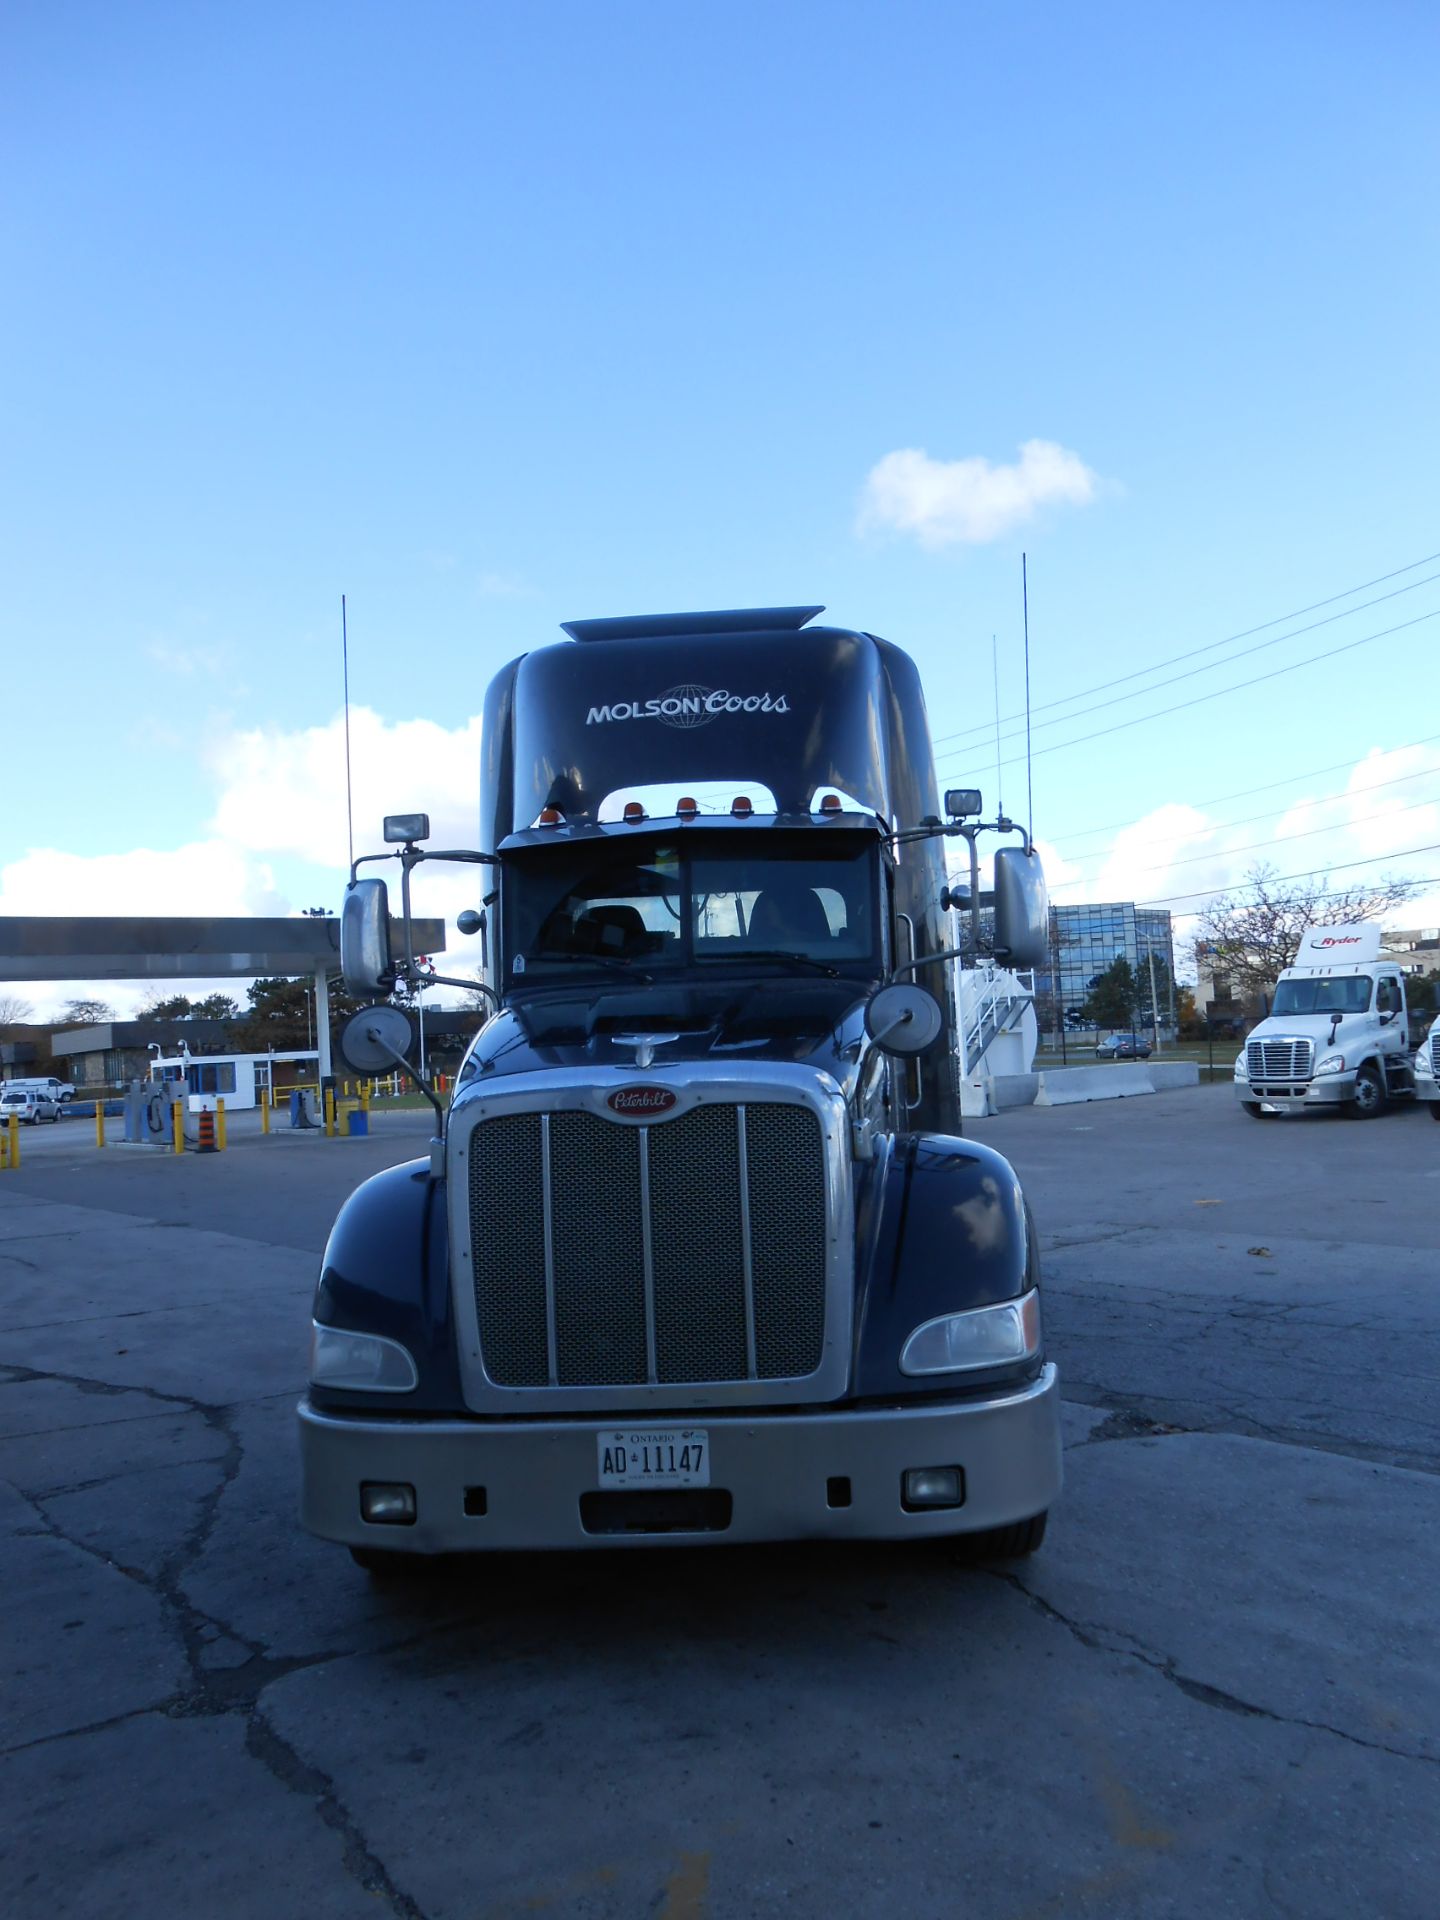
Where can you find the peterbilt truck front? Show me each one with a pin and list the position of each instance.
(700, 1254)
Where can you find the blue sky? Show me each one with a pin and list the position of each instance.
(492, 317)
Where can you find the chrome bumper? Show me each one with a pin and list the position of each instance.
(1333, 1090)
(780, 1471)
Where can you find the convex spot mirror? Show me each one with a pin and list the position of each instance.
(1022, 908)
(903, 1019)
(365, 963)
(377, 1039)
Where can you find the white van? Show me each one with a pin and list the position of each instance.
(57, 1089)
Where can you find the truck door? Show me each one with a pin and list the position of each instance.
(1390, 999)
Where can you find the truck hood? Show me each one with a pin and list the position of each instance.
(792, 1020)
(1317, 1027)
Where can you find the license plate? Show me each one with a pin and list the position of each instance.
(654, 1457)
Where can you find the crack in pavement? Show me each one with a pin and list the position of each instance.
(1090, 1634)
(233, 1690)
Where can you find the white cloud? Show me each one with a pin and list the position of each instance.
(206, 877)
(284, 792)
(948, 502)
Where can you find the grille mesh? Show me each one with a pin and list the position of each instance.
(597, 1246)
(698, 1249)
(1435, 1051)
(507, 1239)
(787, 1240)
(1279, 1059)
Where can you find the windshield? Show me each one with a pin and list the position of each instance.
(1349, 994)
(647, 907)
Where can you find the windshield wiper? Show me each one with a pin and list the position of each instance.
(775, 953)
(590, 960)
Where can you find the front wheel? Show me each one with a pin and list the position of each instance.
(1434, 1106)
(384, 1564)
(1002, 1543)
(1369, 1094)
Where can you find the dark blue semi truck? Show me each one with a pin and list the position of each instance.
(700, 1254)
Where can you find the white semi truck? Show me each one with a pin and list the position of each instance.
(1427, 1071)
(1337, 1034)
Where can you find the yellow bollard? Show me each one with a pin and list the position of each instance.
(329, 1113)
(11, 1142)
(365, 1096)
(220, 1125)
(265, 1106)
(177, 1125)
(99, 1123)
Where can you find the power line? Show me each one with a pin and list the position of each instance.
(1281, 880)
(1211, 646)
(1342, 793)
(1200, 699)
(1280, 839)
(1190, 673)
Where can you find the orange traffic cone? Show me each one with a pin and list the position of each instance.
(207, 1132)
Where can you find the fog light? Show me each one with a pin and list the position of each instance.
(385, 1505)
(932, 1487)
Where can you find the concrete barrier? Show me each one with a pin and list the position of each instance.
(1064, 1086)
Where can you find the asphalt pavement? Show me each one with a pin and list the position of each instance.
(1214, 1691)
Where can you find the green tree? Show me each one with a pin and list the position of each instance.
(1113, 996)
(1422, 992)
(282, 1014)
(179, 1006)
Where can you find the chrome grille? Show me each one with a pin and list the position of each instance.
(1435, 1053)
(689, 1250)
(1279, 1059)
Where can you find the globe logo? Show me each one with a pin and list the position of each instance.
(685, 706)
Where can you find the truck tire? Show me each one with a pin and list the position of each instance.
(383, 1563)
(1434, 1106)
(1003, 1543)
(1369, 1094)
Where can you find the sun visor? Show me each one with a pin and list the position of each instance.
(795, 711)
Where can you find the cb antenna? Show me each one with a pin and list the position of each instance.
(995, 675)
(345, 667)
(1029, 785)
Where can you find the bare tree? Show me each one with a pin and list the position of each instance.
(1250, 935)
(13, 1010)
(88, 1013)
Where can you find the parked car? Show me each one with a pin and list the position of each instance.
(28, 1104)
(1122, 1046)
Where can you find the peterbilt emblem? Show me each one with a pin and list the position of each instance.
(641, 1103)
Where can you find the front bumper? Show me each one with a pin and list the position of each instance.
(1329, 1090)
(780, 1471)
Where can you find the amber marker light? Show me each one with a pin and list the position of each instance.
(740, 806)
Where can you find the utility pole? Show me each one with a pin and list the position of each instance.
(1154, 1009)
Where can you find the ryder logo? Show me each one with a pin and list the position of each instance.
(641, 1103)
(688, 706)
(1338, 940)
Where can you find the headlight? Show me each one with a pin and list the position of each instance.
(364, 1362)
(1332, 1063)
(1240, 1072)
(984, 1337)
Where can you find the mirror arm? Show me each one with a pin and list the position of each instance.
(470, 986)
(925, 960)
(424, 1085)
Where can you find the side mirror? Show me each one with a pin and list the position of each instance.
(377, 1039)
(1022, 908)
(956, 896)
(365, 963)
(903, 1019)
(469, 921)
